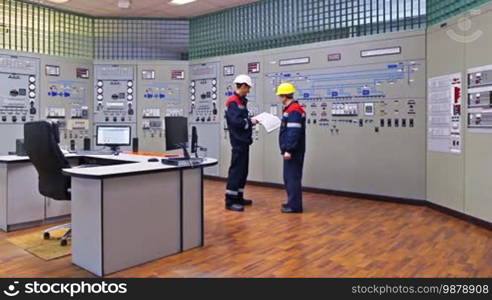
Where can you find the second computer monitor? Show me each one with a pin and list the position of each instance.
(176, 132)
(113, 136)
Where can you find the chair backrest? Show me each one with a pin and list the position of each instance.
(41, 143)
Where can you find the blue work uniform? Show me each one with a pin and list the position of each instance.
(292, 139)
(240, 133)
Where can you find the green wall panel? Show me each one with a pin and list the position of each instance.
(441, 10)
(277, 23)
(39, 29)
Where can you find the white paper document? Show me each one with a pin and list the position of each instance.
(269, 121)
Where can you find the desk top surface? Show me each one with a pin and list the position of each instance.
(16, 158)
(136, 164)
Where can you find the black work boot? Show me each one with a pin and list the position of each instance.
(288, 210)
(243, 201)
(232, 203)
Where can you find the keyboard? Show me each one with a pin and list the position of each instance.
(182, 162)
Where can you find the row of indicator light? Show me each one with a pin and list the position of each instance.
(193, 90)
(32, 87)
(100, 90)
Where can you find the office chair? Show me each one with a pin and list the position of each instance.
(41, 140)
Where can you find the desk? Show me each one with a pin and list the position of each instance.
(128, 214)
(21, 205)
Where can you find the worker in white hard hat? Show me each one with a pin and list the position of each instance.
(240, 127)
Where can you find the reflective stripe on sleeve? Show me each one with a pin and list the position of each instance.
(294, 125)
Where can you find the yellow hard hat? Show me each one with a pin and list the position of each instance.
(286, 89)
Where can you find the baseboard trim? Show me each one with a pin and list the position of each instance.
(26, 225)
(431, 205)
(460, 215)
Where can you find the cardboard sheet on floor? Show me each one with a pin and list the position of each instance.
(34, 244)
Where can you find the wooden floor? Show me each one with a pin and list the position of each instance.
(335, 237)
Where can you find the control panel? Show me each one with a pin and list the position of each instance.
(365, 114)
(115, 100)
(19, 97)
(19, 91)
(480, 98)
(161, 90)
(204, 108)
(203, 93)
(67, 101)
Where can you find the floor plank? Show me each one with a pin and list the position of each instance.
(335, 237)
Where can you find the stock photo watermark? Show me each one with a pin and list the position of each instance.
(465, 24)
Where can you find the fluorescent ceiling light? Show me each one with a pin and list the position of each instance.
(181, 2)
(58, 1)
(124, 4)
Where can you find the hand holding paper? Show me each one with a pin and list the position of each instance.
(269, 121)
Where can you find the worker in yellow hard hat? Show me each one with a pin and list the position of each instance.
(292, 141)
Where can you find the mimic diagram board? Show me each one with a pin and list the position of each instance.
(377, 96)
(162, 89)
(114, 97)
(19, 97)
(67, 100)
(370, 82)
(366, 123)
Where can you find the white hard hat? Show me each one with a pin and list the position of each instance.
(244, 79)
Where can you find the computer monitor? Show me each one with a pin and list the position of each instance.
(113, 136)
(177, 133)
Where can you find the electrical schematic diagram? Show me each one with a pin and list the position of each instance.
(367, 95)
(369, 82)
